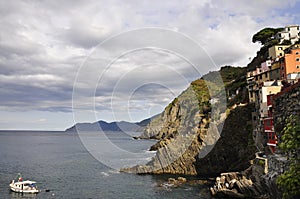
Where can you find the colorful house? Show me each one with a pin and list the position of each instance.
(269, 125)
(277, 51)
(291, 63)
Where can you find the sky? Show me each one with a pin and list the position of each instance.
(63, 62)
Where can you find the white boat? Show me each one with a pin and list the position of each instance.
(26, 186)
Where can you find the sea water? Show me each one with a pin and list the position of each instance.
(61, 163)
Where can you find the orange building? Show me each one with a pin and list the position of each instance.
(291, 63)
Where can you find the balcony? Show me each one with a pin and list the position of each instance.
(268, 125)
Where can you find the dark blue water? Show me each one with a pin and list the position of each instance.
(59, 162)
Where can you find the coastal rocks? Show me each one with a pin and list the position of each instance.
(189, 131)
(232, 185)
(181, 181)
(246, 184)
(176, 182)
(190, 142)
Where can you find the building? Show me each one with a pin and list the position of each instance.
(261, 113)
(256, 78)
(277, 51)
(269, 125)
(265, 66)
(291, 63)
(290, 33)
(264, 83)
(268, 88)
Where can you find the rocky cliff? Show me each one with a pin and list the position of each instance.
(193, 136)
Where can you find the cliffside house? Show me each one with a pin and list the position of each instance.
(277, 51)
(290, 32)
(291, 63)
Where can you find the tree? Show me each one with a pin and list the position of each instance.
(265, 35)
(289, 181)
(286, 42)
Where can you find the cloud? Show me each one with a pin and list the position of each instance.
(44, 43)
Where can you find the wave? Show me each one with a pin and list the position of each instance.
(104, 174)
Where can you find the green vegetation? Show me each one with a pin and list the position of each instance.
(289, 181)
(286, 42)
(261, 163)
(201, 90)
(264, 35)
(229, 73)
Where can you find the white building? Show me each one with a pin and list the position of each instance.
(268, 88)
(289, 33)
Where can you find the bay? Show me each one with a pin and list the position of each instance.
(59, 161)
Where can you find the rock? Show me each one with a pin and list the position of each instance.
(240, 185)
(172, 180)
(231, 183)
(181, 179)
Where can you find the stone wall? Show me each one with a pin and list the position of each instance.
(286, 103)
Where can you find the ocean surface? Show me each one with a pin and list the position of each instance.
(60, 162)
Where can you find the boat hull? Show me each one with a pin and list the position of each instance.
(19, 190)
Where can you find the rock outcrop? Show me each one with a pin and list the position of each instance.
(181, 130)
(191, 125)
(250, 183)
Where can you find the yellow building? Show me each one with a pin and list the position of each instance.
(277, 51)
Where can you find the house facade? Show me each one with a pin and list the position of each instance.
(277, 51)
(291, 63)
(290, 33)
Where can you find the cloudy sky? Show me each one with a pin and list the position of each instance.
(84, 60)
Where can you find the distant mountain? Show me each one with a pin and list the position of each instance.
(112, 126)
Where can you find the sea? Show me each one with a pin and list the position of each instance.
(66, 166)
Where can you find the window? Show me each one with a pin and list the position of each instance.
(280, 54)
(298, 67)
(297, 59)
(266, 75)
(268, 122)
(297, 53)
(279, 48)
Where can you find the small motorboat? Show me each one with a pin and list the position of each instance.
(26, 186)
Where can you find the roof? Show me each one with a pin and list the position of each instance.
(25, 182)
(289, 26)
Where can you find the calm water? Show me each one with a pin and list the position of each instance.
(58, 161)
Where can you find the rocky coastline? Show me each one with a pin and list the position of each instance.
(189, 142)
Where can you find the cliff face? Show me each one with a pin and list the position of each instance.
(191, 125)
(235, 148)
(180, 129)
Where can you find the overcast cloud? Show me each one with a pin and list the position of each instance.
(44, 44)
